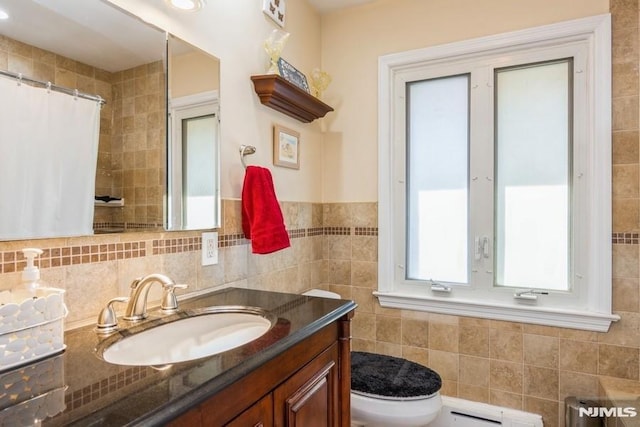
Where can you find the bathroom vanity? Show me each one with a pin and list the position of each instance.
(297, 374)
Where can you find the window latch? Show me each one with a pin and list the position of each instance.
(529, 295)
(438, 287)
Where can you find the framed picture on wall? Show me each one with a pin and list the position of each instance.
(286, 147)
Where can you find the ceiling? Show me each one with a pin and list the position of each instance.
(96, 33)
(92, 32)
(324, 6)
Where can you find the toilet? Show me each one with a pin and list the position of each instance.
(390, 391)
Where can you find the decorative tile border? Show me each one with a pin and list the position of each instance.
(75, 399)
(337, 231)
(172, 246)
(625, 238)
(12, 261)
(366, 231)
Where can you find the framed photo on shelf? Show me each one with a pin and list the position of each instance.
(286, 147)
(292, 75)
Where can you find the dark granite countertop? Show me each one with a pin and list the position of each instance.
(78, 388)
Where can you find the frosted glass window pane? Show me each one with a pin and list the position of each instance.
(199, 179)
(533, 166)
(437, 179)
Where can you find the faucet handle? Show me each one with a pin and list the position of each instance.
(107, 319)
(169, 301)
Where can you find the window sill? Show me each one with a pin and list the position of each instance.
(573, 319)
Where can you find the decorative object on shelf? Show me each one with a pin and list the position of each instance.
(277, 93)
(320, 81)
(286, 147)
(274, 44)
(275, 9)
(292, 75)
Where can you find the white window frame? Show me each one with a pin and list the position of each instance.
(592, 141)
(184, 107)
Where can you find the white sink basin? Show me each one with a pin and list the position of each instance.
(206, 332)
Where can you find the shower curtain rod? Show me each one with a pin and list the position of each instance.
(74, 92)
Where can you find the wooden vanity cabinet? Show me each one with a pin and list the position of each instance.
(307, 385)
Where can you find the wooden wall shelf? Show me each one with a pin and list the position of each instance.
(277, 93)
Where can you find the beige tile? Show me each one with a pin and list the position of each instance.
(445, 364)
(474, 371)
(363, 326)
(415, 333)
(549, 331)
(549, 409)
(625, 113)
(443, 336)
(364, 274)
(339, 247)
(626, 295)
(624, 14)
(389, 349)
(449, 388)
(625, 147)
(625, 215)
(473, 340)
(505, 326)
(339, 272)
(363, 345)
(506, 376)
(577, 384)
(540, 350)
(578, 335)
(388, 329)
(625, 181)
(579, 356)
(620, 362)
(625, 261)
(337, 215)
(541, 382)
(506, 399)
(624, 44)
(416, 354)
(364, 298)
(625, 79)
(473, 393)
(505, 345)
(364, 214)
(625, 332)
(364, 248)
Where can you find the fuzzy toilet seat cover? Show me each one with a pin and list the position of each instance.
(391, 377)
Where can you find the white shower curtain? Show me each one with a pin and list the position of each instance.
(48, 155)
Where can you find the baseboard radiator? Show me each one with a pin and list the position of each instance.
(465, 413)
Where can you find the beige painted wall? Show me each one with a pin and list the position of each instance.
(352, 41)
(193, 73)
(234, 31)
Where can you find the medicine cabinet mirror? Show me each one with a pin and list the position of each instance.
(94, 47)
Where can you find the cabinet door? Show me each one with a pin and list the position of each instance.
(310, 397)
(192, 418)
(258, 415)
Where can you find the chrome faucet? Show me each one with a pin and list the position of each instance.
(137, 306)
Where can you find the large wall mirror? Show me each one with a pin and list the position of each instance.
(156, 161)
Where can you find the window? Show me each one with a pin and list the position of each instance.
(192, 160)
(494, 177)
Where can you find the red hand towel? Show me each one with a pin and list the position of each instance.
(262, 220)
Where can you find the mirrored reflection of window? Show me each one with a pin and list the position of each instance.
(198, 183)
(193, 196)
